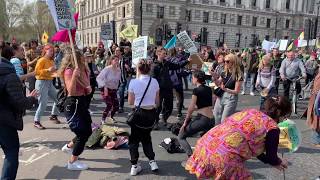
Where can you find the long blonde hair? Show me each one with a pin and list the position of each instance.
(261, 65)
(235, 70)
(68, 62)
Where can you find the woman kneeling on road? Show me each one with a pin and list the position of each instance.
(143, 93)
(222, 152)
(203, 122)
(77, 84)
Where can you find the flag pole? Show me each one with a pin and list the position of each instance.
(73, 50)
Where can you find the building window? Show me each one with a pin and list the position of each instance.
(204, 36)
(268, 23)
(172, 10)
(238, 2)
(96, 38)
(287, 23)
(123, 12)
(109, 2)
(197, 14)
(205, 1)
(253, 3)
(267, 4)
(149, 8)
(222, 1)
(108, 20)
(119, 11)
(160, 12)
(238, 35)
(91, 23)
(88, 38)
(221, 38)
(91, 38)
(287, 4)
(128, 8)
(95, 22)
(205, 17)
(188, 15)
(223, 18)
(239, 22)
(97, 5)
(267, 37)
(254, 21)
(102, 19)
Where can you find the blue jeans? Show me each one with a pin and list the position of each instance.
(272, 92)
(121, 91)
(315, 137)
(224, 107)
(9, 141)
(246, 77)
(46, 89)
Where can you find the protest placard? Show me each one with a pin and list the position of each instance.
(187, 42)
(106, 31)
(283, 44)
(61, 13)
(139, 49)
(195, 62)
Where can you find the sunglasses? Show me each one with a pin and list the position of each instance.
(227, 62)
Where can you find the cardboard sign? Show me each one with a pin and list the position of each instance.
(61, 13)
(196, 62)
(283, 44)
(139, 49)
(106, 31)
(187, 42)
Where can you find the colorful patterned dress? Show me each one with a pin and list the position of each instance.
(221, 152)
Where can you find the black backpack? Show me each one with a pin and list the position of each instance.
(173, 146)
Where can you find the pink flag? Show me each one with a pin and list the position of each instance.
(62, 36)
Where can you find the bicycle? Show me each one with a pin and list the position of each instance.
(294, 94)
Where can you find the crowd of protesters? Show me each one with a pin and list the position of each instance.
(152, 85)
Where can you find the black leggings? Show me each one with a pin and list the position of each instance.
(198, 124)
(79, 120)
(141, 132)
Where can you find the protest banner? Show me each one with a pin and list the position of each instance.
(64, 20)
(283, 44)
(61, 13)
(139, 49)
(187, 42)
(267, 45)
(106, 31)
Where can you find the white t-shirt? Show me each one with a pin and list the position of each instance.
(138, 86)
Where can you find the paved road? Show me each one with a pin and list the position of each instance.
(41, 157)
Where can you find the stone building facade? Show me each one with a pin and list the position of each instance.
(237, 23)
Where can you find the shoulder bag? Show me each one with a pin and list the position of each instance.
(133, 116)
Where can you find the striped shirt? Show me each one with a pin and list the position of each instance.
(266, 77)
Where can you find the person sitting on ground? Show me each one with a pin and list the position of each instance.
(203, 122)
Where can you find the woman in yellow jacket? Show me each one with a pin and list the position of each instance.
(44, 75)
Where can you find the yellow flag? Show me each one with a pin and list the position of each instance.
(45, 38)
(318, 43)
(131, 32)
(151, 40)
(290, 47)
(301, 36)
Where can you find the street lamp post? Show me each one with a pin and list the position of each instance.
(316, 23)
(276, 25)
(82, 5)
(140, 17)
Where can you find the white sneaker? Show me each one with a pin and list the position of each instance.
(77, 166)
(135, 169)
(251, 93)
(66, 149)
(153, 165)
(243, 93)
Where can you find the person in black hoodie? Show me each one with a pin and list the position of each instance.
(13, 102)
(160, 71)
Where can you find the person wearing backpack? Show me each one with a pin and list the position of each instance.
(76, 106)
(144, 95)
(266, 80)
